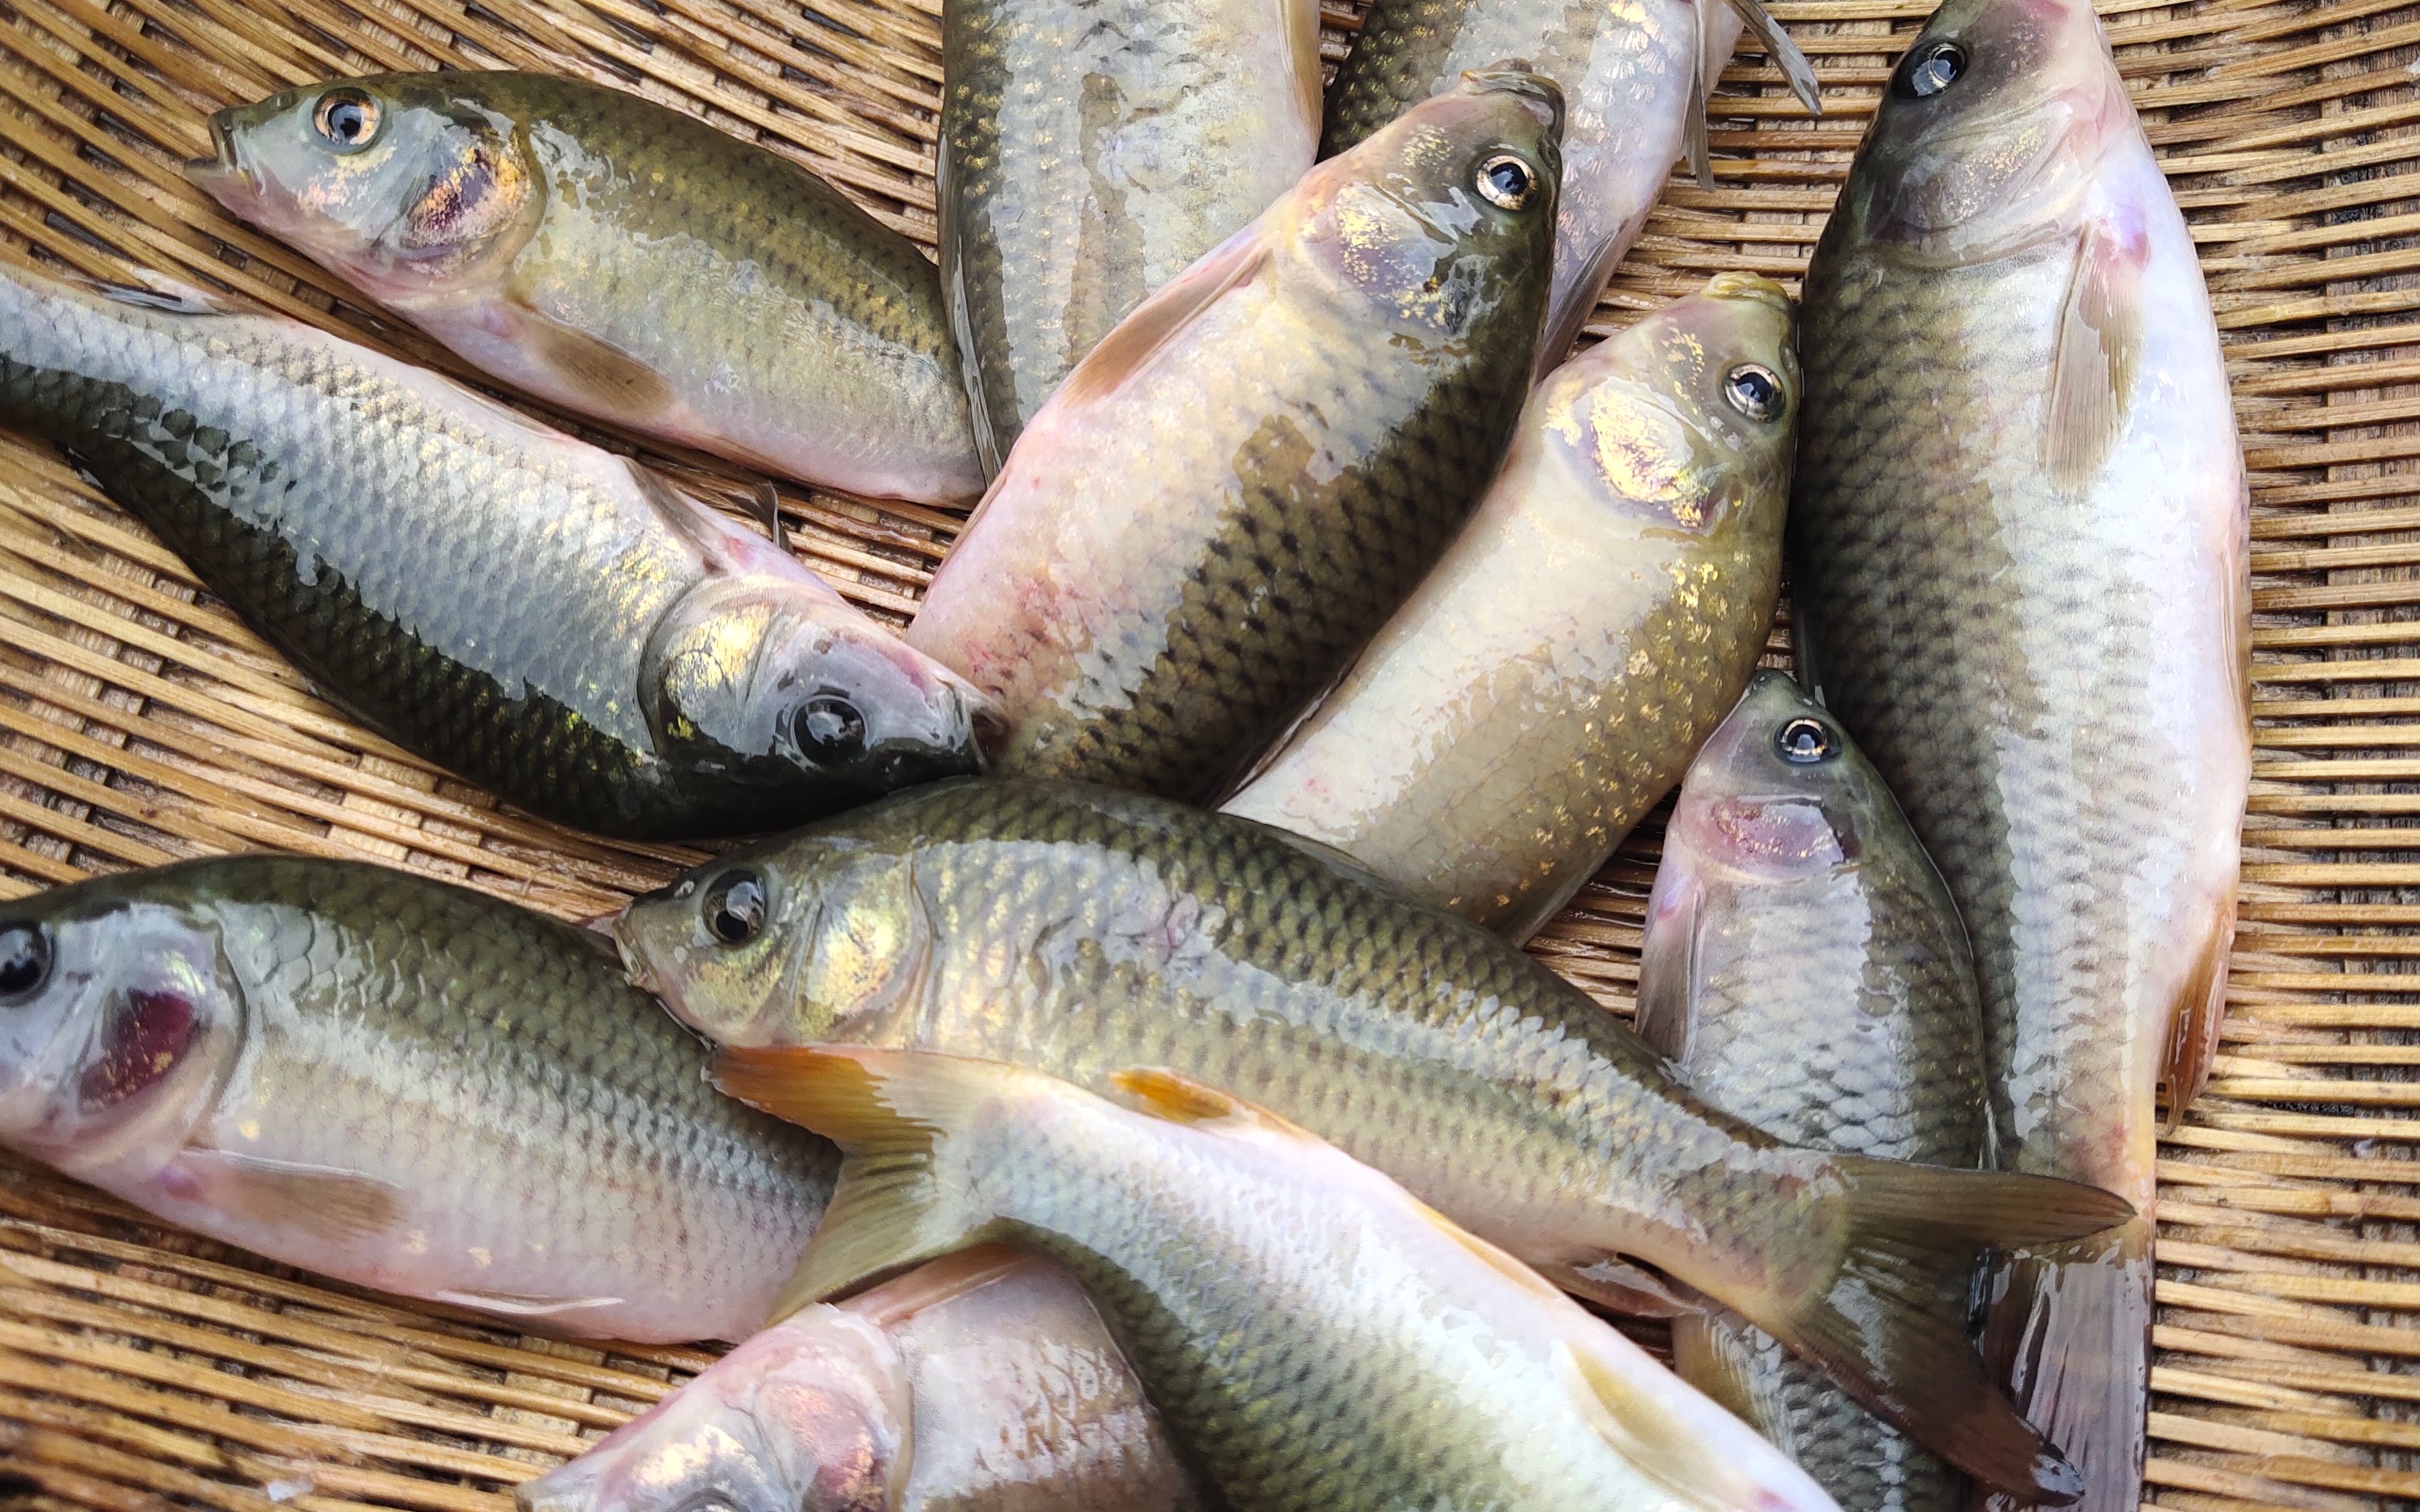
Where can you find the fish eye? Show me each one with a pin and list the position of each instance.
(348, 118)
(734, 907)
(1803, 742)
(1754, 389)
(24, 960)
(1506, 182)
(1930, 70)
(828, 729)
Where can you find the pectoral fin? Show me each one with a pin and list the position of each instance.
(603, 379)
(2192, 1034)
(2100, 345)
(339, 1206)
(1161, 318)
(1668, 963)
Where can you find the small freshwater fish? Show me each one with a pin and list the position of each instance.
(983, 1382)
(1320, 1341)
(622, 260)
(399, 1083)
(1545, 685)
(1235, 488)
(547, 619)
(1805, 968)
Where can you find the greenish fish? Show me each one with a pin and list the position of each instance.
(622, 260)
(2019, 545)
(1318, 1338)
(1230, 495)
(1806, 969)
(401, 1083)
(1091, 150)
(984, 1383)
(1634, 77)
(551, 622)
(1545, 685)
(1079, 931)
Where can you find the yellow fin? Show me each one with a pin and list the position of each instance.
(1178, 1099)
(339, 1206)
(1642, 1430)
(887, 1110)
(604, 379)
(1161, 319)
(2099, 342)
(1299, 23)
(1488, 1254)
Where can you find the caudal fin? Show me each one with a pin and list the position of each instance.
(2068, 1329)
(1881, 1330)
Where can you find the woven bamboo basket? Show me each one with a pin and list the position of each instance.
(139, 722)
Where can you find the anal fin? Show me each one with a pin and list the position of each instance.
(1731, 1361)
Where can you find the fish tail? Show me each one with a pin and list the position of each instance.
(2067, 1330)
(1882, 1326)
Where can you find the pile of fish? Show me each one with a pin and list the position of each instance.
(1128, 1090)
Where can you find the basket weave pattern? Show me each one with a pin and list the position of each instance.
(139, 722)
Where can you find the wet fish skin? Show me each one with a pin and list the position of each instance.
(1545, 685)
(1350, 367)
(622, 260)
(984, 1383)
(1081, 931)
(1805, 967)
(1091, 151)
(1632, 73)
(2020, 544)
(624, 659)
(398, 1083)
(1316, 1337)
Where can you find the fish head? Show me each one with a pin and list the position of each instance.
(1779, 791)
(762, 681)
(817, 935)
(804, 1417)
(1445, 219)
(398, 183)
(1989, 131)
(1686, 418)
(118, 1015)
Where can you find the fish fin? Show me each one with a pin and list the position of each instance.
(1723, 1355)
(2200, 1010)
(1503, 1264)
(1888, 1325)
(2099, 343)
(1179, 1099)
(726, 546)
(768, 499)
(2069, 1330)
(1668, 967)
(339, 1206)
(886, 1109)
(606, 379)
(159, 291)
(1696, 133)
(1567, 319)
(524, 1304)
(1299, 21)
(1783, 52)
(1161, 319)
(1619, 1286)
(946, 1279)
(988, 447)
(1633, 1419)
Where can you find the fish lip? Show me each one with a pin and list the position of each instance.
(219, 171)
(1520, 78)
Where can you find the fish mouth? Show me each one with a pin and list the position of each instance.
(1754, 286)
(219, 173)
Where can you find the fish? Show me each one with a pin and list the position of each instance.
(1546, 684)
(1325, 396)
(2020, 540)
(401, 1083)
(619, 657)
(1805, 968)
(1078, 930)
(1321, 1339)
(983, 1382)
(1634, 77)
(623, 261)
(1091, 150)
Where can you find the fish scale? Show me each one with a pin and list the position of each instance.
(522, 1130)
(1079, 931)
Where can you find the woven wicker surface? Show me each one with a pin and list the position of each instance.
(139, 722)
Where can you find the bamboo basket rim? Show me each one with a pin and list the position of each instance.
(141, 1366)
